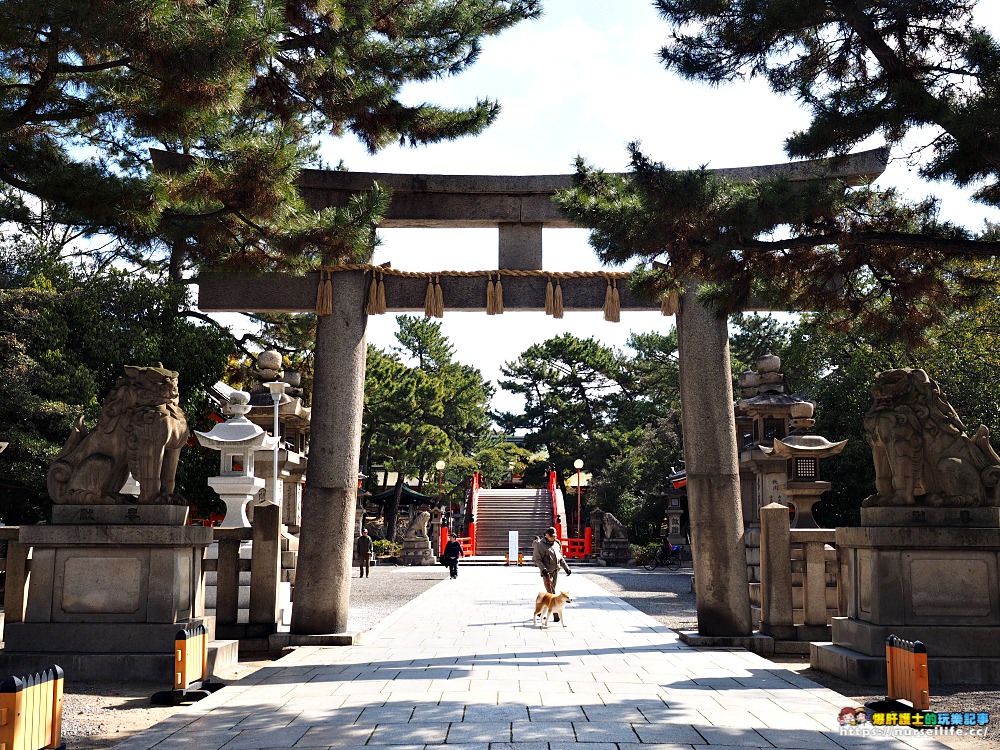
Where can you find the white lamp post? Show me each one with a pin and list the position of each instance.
(578, 465)
(277, 389)
(440, 467)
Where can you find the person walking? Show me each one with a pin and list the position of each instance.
(365, 547)
(452, 551)
(546, 553)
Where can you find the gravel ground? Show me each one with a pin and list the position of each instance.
(98, 716)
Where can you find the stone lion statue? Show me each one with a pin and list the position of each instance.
(920, 448)
(612, 528)
(418, 526)
(140, 429)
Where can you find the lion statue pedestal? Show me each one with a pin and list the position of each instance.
(114, 577)
(615, 549)
(925, 563)
(417, 547)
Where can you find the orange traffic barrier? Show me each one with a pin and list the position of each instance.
(191, 681)
(190, 657)
(906, 671)
(31, 710)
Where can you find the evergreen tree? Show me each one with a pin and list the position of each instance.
(243, 88)
(65, 337)
(864, 257)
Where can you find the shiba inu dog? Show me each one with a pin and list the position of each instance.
(551, 604)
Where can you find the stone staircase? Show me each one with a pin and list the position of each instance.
(529, 512)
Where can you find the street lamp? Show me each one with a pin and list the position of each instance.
(277, 389)
(578, 464)
(440, 467)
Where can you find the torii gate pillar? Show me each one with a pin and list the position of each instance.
(323, 578)
(712, 464)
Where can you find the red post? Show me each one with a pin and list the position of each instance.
(444, 538)
(588, 541)
(555, 507)
(474, 509)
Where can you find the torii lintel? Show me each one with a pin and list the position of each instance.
(520, 206)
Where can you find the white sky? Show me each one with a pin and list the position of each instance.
(584, 80)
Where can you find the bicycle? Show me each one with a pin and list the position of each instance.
(671, 561)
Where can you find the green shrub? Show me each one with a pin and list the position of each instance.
(643, 553)
(385, 548)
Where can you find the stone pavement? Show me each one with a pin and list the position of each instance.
(462, 667)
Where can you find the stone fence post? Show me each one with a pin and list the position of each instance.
(227, 575)
(813, 542)
(776, 573)
(265, 566)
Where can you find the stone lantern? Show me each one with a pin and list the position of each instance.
(779, 461)
(236, 440)
(284, 478)
(804, 487)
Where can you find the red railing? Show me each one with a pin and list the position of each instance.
(465, 541)
(579, 549)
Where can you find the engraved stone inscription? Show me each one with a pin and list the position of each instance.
(949, 586)
(94, 585)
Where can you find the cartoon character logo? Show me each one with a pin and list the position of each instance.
(860, 717)
(846, 716)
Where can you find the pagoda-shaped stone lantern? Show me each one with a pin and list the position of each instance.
(236, 439)
(802, 453)
(277, 397)
(779, 460)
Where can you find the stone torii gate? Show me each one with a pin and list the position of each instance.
(520, 207)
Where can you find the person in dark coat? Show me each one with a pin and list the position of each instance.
(452, 551)
(364, 547)
(546, 553)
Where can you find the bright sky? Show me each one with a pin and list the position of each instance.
(583, 80)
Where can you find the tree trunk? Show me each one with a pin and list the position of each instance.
(712, 463)
(391, 511)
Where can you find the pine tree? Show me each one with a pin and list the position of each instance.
(863, 256)
(244, 87)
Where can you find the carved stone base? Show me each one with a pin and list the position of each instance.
(616, 551)
(417, 552)
(973, 518)
(937, 585)
(107, 592)
(126, 514)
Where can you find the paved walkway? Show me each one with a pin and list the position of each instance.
(464, 668)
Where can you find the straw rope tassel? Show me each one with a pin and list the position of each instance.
(381, 293)
(429, 298)
(490, 298)
(498, 297)
(669, 303)
(548, 297)
(616, 303)
(324, 294)
(438, 298)
(557, 302)
(607, 299)
(372, 307)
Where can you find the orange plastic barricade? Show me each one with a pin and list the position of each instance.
(906, 672)
(191, 681)
(31, 710)
(190, 657)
